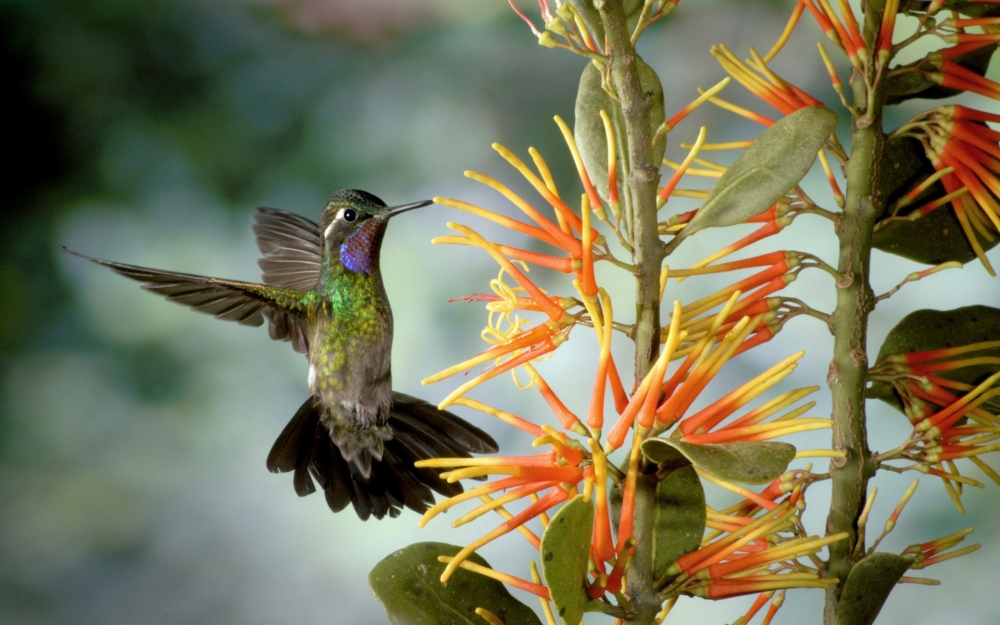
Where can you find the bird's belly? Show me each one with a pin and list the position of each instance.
(351, 375)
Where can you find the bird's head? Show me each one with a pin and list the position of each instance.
(353, 224)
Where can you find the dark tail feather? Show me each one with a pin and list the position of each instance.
(420, 431)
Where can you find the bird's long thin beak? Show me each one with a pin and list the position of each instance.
(395, 210)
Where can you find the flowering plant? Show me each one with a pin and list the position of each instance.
(618, 487)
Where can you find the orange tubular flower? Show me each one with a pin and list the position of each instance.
(884, 47)
(847, 38)
(749, 556)
(930, 553)
(764, 83)
(946, 426)
(556, 472)
(956, 139)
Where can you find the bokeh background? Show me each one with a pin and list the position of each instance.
(133, 433)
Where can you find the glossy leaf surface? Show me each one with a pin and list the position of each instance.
(409, 587)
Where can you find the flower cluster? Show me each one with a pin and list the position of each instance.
(758, 545)
(948, 417)
(960, 145)
(702, 336)
(567, 28)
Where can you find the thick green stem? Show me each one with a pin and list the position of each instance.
(855, 300)
(647, 256)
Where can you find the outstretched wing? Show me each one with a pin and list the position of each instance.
(243, 302)
(292, 248)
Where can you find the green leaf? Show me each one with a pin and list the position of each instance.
(761, 176)
(868, 586)
(743, 463)
(661, 451)
(900, 87)
(408, 585)
(565, 551)
(678, 518)
(925, 330)
(588, 130)
(936, 237)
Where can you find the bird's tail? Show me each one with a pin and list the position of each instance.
(419, 431)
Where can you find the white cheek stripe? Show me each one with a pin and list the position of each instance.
(312, 376)
(326, 234)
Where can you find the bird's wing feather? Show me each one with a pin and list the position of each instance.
(244, 302)
(292, 248)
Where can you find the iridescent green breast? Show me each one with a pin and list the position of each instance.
(353, 335)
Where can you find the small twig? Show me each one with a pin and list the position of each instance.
(818, 263)
(916, 275)
(801, 308)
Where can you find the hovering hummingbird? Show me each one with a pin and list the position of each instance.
(323, 292)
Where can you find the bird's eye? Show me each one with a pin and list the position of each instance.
(350, 215)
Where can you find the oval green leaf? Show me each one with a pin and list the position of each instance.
(779, 158)
(868, 586)
(409, 587)
(660, 451)
(742, 463)
(565, 551)
(925, 330)
(588, 129)
(678, 518)
(936, 237)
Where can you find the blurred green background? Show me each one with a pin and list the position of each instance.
(133, 433)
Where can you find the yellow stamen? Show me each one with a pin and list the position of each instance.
(468, 550)
(516, 200)
(440, 463)
(456, 475)
(690, 171)
(697, 194)
(567, 134)
(543, 169)
(488, 616)
(763, 526)
(550, 619)
(949, 556)
(732, 108)
(987, 469)
(543, 517)
(733, 488)
(441, 506)
(778, 403)
(716, 147)
(524, 531)
(818, 424)
(486, 507)
(891, 523)
(613, 200)
(820, 453)
(785, 34)
(664, 275)
(486, 571)
(665, 612)
(683, 169)
(532, 179)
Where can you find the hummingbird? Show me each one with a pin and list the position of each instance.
(322, 291)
